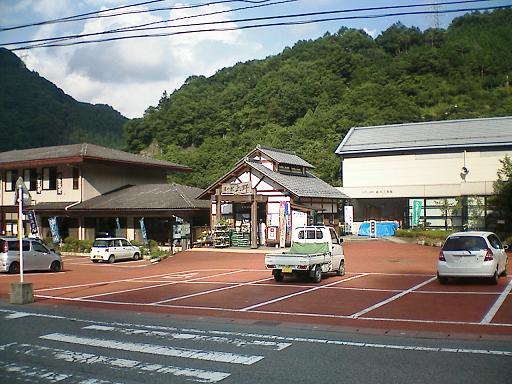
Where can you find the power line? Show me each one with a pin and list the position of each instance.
(299, 22)
(140, 27)
(146, 28)
(90, 15)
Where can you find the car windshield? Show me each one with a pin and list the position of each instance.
(465, 243)
(102, 243)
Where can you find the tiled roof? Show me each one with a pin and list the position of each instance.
(83, 152)
(283, 156)
(52, 206)
(146, 197)
(301, 186)
(448, 134)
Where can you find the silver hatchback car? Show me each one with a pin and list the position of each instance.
(472, 254)
(36, 256)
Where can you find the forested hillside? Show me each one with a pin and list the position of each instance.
(35, 113)
(309, 96)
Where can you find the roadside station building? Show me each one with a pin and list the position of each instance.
(86, 189)
(435, 174)
(268, 193)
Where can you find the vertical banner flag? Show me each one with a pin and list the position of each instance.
(282, 225)
(34, 228)
(417, 205)
(348, 217)
(54, 228)
(143, 231)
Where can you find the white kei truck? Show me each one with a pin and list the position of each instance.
(315, 249)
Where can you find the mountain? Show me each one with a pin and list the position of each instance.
(35, 113)
(307, 97)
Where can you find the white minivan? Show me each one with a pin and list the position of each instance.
(112, 249)
(472, 254)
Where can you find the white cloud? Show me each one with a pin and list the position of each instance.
(132, 74)
(372, 32)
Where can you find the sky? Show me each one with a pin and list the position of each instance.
(132, 74)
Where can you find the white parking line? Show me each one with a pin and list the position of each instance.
(299, 293)
(497, 304)
(157, 285)
(211, 291)
(392, 298)
(161, 350)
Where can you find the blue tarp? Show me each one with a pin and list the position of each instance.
(384, 228)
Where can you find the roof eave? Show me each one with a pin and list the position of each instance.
(424, 148)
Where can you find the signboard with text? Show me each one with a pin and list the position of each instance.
(237, 189)
(417, 206)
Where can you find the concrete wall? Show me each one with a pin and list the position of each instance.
(421, 175)
(68, 193)
(102, 178)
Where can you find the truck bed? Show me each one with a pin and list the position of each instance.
(287, 259)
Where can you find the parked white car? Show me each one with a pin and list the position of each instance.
(472, 254)
(113, 248)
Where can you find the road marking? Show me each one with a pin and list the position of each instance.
(366, 345)
(299, 293)
(497, 304)
(190, 337)
(222, 357)
(210, 291)
(392, 298)
(31, 373)
(138, 367)
(123, 280)
(181, 275)
(157, 285)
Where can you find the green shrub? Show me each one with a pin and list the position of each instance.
(431, 237)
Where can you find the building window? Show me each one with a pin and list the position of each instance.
(76, 178)
(10, 180)
(291, 169)
(30, 178)
(50, 179)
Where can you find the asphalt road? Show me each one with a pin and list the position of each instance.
(66, 344)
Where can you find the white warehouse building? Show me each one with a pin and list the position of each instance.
(434, 174)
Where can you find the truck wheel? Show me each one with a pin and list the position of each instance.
(317, 277)
(278, 276)
(341, 269)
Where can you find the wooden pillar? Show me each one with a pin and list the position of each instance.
(218, 211)
(254, 220)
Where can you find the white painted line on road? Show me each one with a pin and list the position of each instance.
(299, 293)
(31, 374)
(189, 337)
(162, 350)
(366, 345)
(392, 298)
(157, 285)
(135, 366)
(210, 291)
(497, 304)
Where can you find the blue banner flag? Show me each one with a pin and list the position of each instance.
(143, 231)
(54, 228)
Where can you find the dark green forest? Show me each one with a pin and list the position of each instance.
(307, 98)
(35, 113)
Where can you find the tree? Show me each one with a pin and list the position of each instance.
(502, 199)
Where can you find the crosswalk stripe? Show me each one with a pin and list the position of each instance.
(199, 375)
(223, 357)
(276, 346)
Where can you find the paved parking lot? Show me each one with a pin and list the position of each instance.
(388, 288)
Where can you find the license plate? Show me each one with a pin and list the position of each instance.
(287, 269)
